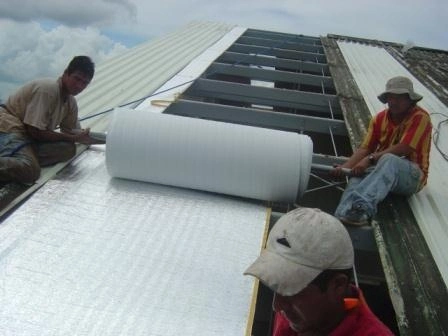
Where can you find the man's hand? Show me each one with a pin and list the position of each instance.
(82, 136)
(338, 171)
(357, 164)
(360, 168)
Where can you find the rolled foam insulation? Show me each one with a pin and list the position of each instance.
(207, 155)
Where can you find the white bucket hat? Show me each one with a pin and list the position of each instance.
(399, 85)
(301, 245)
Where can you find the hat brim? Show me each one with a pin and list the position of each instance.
(412, 95)
(280, 274)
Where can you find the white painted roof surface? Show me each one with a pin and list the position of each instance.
(372, 67)
(180, 82)
(91, 255)
(138, 72)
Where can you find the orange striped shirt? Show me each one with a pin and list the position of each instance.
(414, 131)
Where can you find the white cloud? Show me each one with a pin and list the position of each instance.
(71, 13)
(33, 52)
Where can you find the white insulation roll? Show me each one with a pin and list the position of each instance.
(207, 155)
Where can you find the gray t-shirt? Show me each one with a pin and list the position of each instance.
(39, 103)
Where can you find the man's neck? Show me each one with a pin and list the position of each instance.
(397, 118)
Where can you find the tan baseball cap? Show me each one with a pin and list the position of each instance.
(302, 243)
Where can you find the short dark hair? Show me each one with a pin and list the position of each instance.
(82, 64)
(325, 276)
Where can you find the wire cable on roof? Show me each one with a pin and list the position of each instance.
(135, 101)
(436, 134)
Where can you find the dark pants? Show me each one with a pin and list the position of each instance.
(21, 158)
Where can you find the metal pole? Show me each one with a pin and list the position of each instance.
(325, 168)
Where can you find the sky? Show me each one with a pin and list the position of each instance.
(39, 38)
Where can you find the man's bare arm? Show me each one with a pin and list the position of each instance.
(80, 136)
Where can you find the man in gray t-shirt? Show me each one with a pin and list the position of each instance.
(30, 116)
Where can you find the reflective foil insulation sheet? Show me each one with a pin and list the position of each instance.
(89, 254)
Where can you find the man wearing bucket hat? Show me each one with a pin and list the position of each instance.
(393, 157)
(307, 262)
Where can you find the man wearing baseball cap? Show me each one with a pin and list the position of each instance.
(393, 157)
(307, 262)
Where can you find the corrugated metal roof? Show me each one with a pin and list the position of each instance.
(140, 71)
(371, 67)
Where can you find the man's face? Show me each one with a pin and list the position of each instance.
(398, 103)
(308, 311)
(75, 82)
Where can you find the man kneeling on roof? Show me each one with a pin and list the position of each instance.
(307, 262)
(393, 157)
(30, 116)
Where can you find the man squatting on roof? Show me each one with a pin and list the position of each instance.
(393, 157)
(31, 115)
(307, 262)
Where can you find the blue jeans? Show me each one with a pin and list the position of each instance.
(21, 158)
(391, 174)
